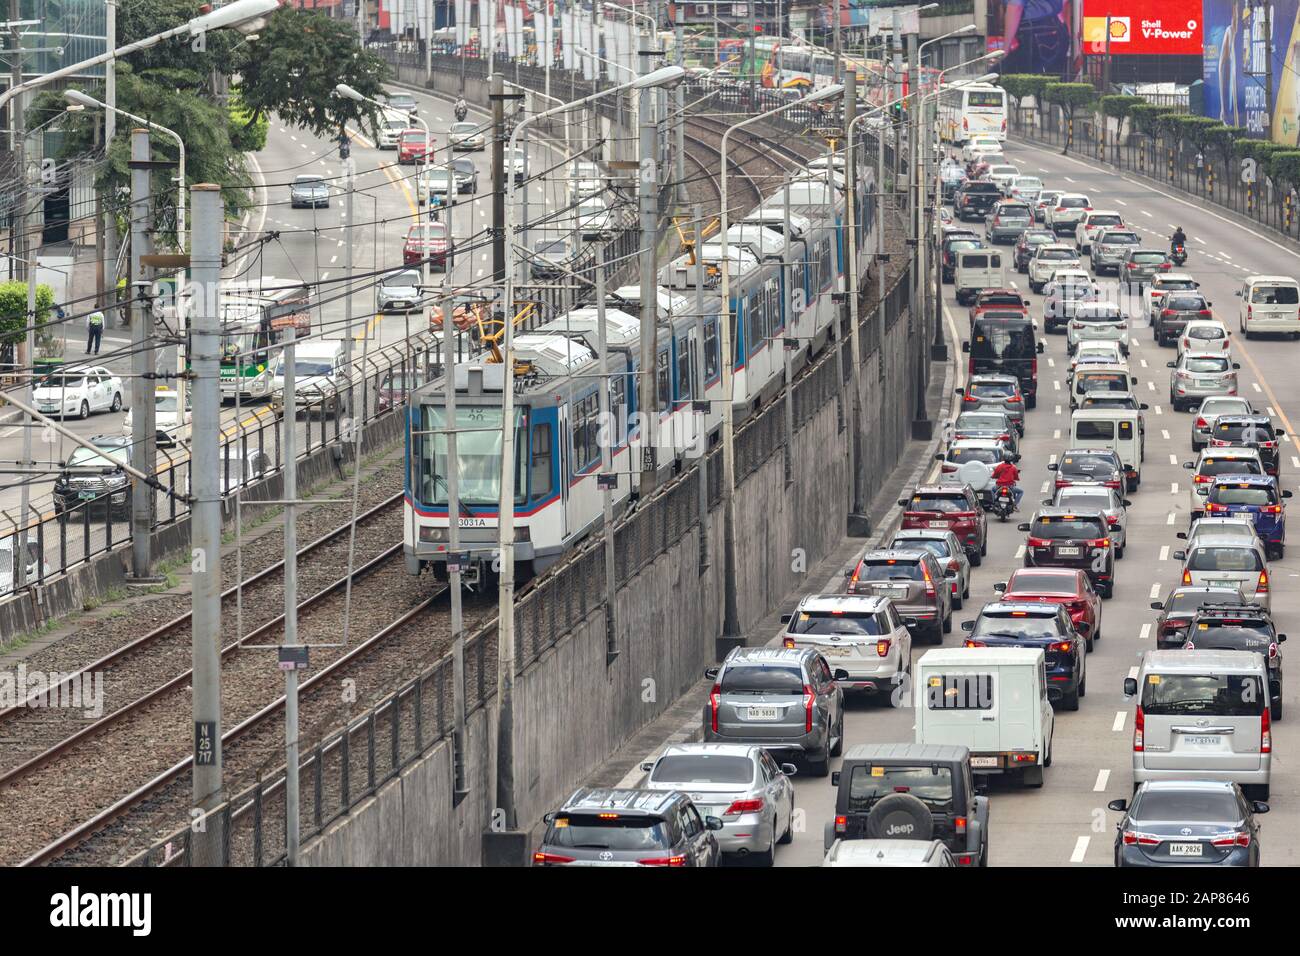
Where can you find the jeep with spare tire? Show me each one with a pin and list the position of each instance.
(911, 792)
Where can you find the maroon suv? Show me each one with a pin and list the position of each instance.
(951, 507)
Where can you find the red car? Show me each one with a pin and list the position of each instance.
(1068, 586)
(428, 240)
(951, 507)
(999, 299)
(412, 146)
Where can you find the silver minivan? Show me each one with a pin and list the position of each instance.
(1231, 562)
(1202, 715)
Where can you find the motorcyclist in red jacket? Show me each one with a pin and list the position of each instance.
(1006, 474)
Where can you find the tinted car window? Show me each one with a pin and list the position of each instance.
(1229, 695)
(937, 503)
(1231, 638)
(1120, 239)
(1207, 365)
(824, 622)
(1080, 463)
(1244, 431)
(1094, 431)
(1051, 526)
(1275, 295)
(1021, 623)
(1187, 601)
(1229, 466)
(1103, 381)
(621, 833)
(980, 421)
(1104, 221)
(936, 546)
(1187, 807)
(890, 569)
(1184, 303)
(1147, 257)
(1029, 583)
(1072, 202)
(703, 768)
(1014, 212)
(931, 785)
(762, 679)
(1002, 338)
(1224, 559)
(990, 456)
(993, 389)
(1056, 254)
(1243, 494)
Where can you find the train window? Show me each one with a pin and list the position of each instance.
(755, 325)
(617, 406)
(663, 382)
(824, 262)
(586, 432)
(684, 390)
(774, 310)
(542, 483)
(710, 350)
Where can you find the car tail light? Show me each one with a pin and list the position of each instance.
(1164, 312)
(929, 584)
(965, 123)
(664, 861)
(1266, 732)
(1202, 423)
(1187, 577)
(1037, 542)
(1271, 509)
(1113, 483)
(1139, 727)
(1165, 266)
(1272, 651)
(541, 859)
(882, 648)
(743, 806)
(1202, 311)
(970, 643)
(1238, 838)
(1004, 126)
(788, 643)
(841, 824)
(715, 698)
(1136, 838)
(1201, 479)
(1112, 520)
(807, 708)
(1215, 506)
(1261, 586)
(959, 824)
(1132, 265)
(1065, 647)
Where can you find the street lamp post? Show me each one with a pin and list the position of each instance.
(731, 625)
(505, 787)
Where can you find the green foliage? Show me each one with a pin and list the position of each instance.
(1192, 129)
(1223, 139)
(1020, 85)
(1070, 96)
(1119, 105)
(1284, 167)
(298, 60)
(1146, 117)
(247, 132)
(13, 310)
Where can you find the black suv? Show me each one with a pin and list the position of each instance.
(96, 479)
(1252, 431)
(975, 199)
(914, 792)
(598, 827)
(1241, 627)
(1062, 538)
(1044, 625)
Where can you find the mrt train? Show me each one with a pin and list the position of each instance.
(560, 435)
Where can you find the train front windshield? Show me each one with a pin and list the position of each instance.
(478, 454)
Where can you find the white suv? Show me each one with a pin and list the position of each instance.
(1092, 222)
(863, 635)
(1064, 216)
(1048, 259)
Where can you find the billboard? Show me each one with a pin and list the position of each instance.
(1157, 27)
(1236, 67)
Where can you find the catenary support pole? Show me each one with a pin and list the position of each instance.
(857, 505)
(647, 191)
(205, 520)
(143, 418)
(701, 369)
(290, 636)
(608, 415)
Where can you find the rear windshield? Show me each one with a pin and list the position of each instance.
(976, 421)
(1104, 220)
(1275, 295)
(703, 768)
(1103, 381)
(1094, 431)
(957, 245)
(762, 679)
(1185, 601)
(1074, 288)
(936, 546)
(1229, 466)
(1028, 182)
(1029, 583)
(1016, 624)
(1103, 400)
(1014, 212)
(990, 456)
(1088, 314)
(982, 188)
(1187, 806)
(1068, 528)
(1037, 238)
(931, 785)
(1147, 257)
(1206, 332)
(1184, 303)
(993, 389)
(1056, 254)
(589, 831)
(1001, 298)
(1253, 637)
(1243, 431)
(890, 569)
(1120, 239)
(1224, 559)
(959, 692)
(1073, 202)
(972, 261)
(1242, 494)
(949, 503)
(1003, 338)
(1207, 365)
(1226, 695)
(1084, 502)
(1092, 465)
(825, 622)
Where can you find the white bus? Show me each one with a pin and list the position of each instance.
(979, 108)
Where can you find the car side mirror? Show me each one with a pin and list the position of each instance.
(1236, 366)
(1126, 503)
(956, 391)
(1130, 686)
(1281, 638)
(648, 766)
(713, 823)
(1120, 805)
(1181, 535)
(965, 346)
(902, 502)
(1157, 606)
(1180, 555)
(1237, 293)
(1132, 379)
(1286, 494)
(1280, 433)
(952, 573)
(1208, 303)
(1053, 466)
(840, 674)
(1023, 526)
(835, 778)
(1259, 806)
(1015, 459)
(1047, 502)
(1143, 406)
(1189, 465)
(1040, 348)
(712, 672)
(548, 817)
(1171, 365)
(789, 769)
(785, 618)
(968, 625)
(938, 457)
(1000, 586)
(910, 622)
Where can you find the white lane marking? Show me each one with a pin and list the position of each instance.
(1295, 462)
(1145, 213)
(1058, 409)
(1173, 459)
(1142, 361)
(1269, 409)
(1286, 437)
(1200, 240)
(1145, 633)
(1118, 724)
(1051, 459)
(1164, 552)
(324, 275)
(1056, 433)
(1056, 385)
(1120, 201)
(1255, 386)
(1067, 179)
(333, 259)
(1224, 254)
(1043, 490)
(1103, 776)
(1164, 433)
(1170, 518)
(1159, 410)
(1052, 364)
(1151, 386)
(1155, 591)
(1080, 848)
(1020, 552)
(1173, 488)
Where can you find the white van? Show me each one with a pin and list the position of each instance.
(992, 700)
(1119, 429)
(1269, 304)
(321, 378)
(1202, 715)
(977, 269)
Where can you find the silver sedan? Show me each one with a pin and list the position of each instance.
(741, 785)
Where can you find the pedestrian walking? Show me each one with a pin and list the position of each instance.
(94, 331)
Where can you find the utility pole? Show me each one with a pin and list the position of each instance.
(454, 562)
(20, 246)
(608, 480)
(679, 122)
(836, 14)
(753, 61)
(647, 191)
(922, 427)
(856, 506)
(289, 639)
(205, 523)
(428, 43)
(107, 220)
(697, 213)
(1105, 80)
(349, 178)
(143, 417)
(498, 94)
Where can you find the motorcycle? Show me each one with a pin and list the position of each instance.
(1004, 502)
(461, 112)
(1179, 254)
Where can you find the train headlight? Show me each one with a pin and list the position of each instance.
(430, 534)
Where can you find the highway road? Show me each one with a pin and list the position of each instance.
(1066, 822)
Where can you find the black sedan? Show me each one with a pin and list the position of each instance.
(1178, 609)
(1188, 822)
